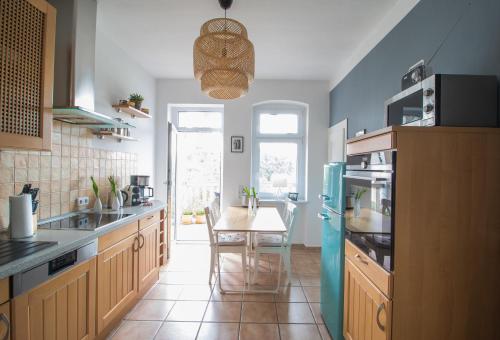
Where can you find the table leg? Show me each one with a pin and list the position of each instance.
(218, 262)
(279, 265)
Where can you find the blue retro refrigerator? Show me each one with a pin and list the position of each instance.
(332, 250)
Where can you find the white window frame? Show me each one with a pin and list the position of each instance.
(174, 116)
(298, 138)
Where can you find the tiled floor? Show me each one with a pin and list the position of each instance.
(184, 306)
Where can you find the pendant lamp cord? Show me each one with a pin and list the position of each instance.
(224, 51)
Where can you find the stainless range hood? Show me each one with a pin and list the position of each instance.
(75, 65)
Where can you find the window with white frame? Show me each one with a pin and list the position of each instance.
(278, 152)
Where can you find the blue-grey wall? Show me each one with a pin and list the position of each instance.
(472, 47)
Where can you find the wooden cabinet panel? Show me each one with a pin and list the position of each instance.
(369, 143)
(381, 278)
(4, 290)
(27, 41)
(62, 308)
(116, 280)
(112, 238)
(5, 321)
(149, 220)
(148, 255)
(367, 312)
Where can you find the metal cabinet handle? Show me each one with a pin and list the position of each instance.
(380, 308)
(143, 241)
(360, 259)
(150, 217)
(5, 320)
(134, 248)
(323, 217)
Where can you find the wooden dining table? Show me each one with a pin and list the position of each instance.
(237, 220)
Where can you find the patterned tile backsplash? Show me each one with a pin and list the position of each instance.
(62, 174)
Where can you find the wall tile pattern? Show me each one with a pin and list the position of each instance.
(62, 174)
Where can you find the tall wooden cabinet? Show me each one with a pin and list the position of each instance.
(27, 42)
(446, 240)
(62, 308)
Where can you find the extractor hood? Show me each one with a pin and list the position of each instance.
(75, 65)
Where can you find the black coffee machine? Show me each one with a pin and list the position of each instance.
(139, 190)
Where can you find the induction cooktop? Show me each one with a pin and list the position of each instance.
(11, 250)
(83, 221)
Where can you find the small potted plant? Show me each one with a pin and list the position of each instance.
(252, 200)
(137, 99)
(95, 189)
(187, 217)
(115, 203)
(200, 217)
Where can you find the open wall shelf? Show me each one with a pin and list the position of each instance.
(119, 138)
(132, 111)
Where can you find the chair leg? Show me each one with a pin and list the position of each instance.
(212, 265)
(288, 266)
(244, 264)
(256, 261)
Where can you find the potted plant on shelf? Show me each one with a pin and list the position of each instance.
(95, 189)
(115, 203)
(200, 217)
(187, 217)
(137, 99)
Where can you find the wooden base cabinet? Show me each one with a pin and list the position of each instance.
(5, 321)
(62, 308)
(149, 256)
(367, 311)
(117, 271)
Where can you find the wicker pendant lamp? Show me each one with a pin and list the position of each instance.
(223, 57)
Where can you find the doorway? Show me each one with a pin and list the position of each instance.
(196, 169)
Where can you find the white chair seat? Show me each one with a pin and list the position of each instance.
(231, 239)
(268, 240)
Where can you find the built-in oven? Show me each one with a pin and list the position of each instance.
(369, 215)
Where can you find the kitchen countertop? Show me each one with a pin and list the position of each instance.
(68, 240)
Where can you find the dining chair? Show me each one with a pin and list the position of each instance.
(267, 243)
(235, 243)
(215, 209)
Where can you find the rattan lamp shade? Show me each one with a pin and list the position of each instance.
(224, 59)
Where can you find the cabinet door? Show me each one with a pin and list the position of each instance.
(116, 280)
(367, 312)
(27, 42)
(62, 308)
(148, 255)
(5, 321)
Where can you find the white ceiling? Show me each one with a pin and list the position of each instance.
(293, 39)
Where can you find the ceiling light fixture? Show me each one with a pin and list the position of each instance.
(223, 57)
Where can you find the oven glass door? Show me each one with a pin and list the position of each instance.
(406, 110)
(369, 213)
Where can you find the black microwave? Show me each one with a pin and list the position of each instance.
(446, 100)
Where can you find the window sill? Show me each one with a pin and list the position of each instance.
(273, 200)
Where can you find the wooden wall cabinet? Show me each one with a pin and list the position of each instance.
(27, 42)
(62, 308)
(117, 272)
(367, 311)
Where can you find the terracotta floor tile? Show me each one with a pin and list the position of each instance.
(217, 296)
(196, 292)
(299, 332)
(187, 311)
(184, 278)
(178, 331)
(137, 330)
(233, 279)
(218, 331)
(324, 332)
(223, 312)
(259, 312)
(251, 331)
(164, 292)
(151, 310)
(316, 310)
(309, 280)
(312, 293)
(259, 297)
(294, 313)
(291, 294)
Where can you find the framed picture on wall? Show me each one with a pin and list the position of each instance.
(237, 144)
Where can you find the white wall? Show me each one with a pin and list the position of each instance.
(237, 121)
(116, 76)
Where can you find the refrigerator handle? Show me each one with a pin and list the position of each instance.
(324, 197)
(323, 217)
